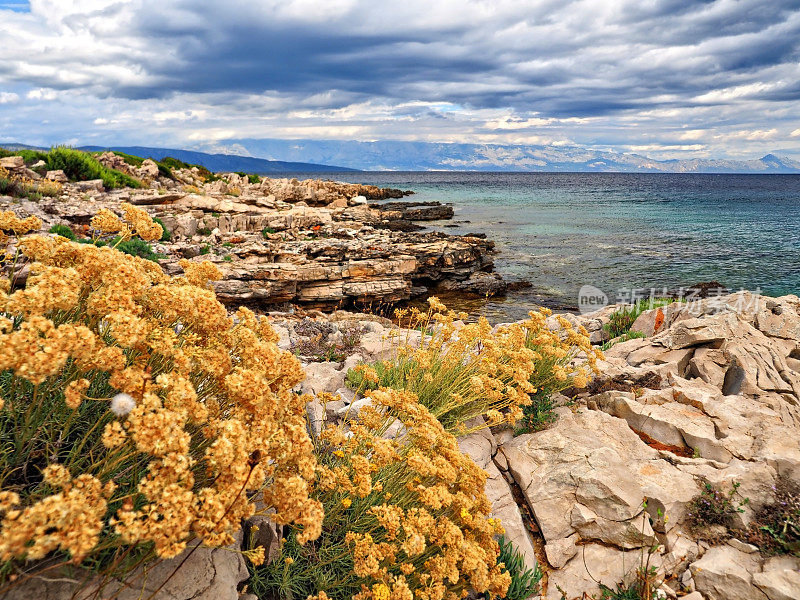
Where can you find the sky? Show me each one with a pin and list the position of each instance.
(663, 78)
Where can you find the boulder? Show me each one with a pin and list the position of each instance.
(12, 162)
(724, 573)
(322, 377)
(57, 175)
(591, 475)
(207, 574)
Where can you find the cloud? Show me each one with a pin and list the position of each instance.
(666, 75)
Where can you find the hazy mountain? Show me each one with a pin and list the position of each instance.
(222, 162)
(425, 156)
(213, 162)
(273, 156)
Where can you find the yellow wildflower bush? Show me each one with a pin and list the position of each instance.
(461, 371)
(16, 185)
(405, 514)
(135, 413)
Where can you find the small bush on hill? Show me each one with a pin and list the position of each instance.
(80, 166)
(136, 247)
(11, 185)
(459, 373)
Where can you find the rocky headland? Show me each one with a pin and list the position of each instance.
(313, 243)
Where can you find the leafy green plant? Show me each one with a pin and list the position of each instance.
(267, 230)
(227, 258)
(776, 526)
(81, 166)
(204, 231)
(539, 414)
(166, 236)
(524, 581)
(641, 588)
(621, 321)
(205, 249)
(136, 247)
(63, 231)
(715, 507)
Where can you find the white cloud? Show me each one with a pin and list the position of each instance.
(715, 77)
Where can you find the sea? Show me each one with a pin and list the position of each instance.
(627, 235)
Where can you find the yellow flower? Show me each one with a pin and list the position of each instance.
(380, 591)
(346, 502)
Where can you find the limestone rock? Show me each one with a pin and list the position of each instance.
(208, 574)
(12, 162)
(724, 573)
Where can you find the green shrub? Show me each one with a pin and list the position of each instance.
(622, 320)
(715, 507)
(205, 250)
(524, 581)
(166, 236)
(134, 161)
(251, 177)
(267, 230)
(136, 247)
(63, 231)
(80, 166)
(174, 163)
(539, 414)
(776, 526)
(641, 588)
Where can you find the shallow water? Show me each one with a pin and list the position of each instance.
(619, 231)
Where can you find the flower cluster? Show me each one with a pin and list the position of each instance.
(461, 371)
(145, 415)
(405, 516)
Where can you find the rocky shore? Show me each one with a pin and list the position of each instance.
(711, 396)
(313, 243)
(704, 399)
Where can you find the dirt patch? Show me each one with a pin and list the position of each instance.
(656, 445)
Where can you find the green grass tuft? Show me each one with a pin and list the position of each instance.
(63, 231)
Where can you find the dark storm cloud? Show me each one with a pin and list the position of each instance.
(359, 62)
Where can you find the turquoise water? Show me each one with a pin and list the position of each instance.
(560, 231)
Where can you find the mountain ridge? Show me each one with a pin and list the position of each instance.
(393, 155)
(321, 156)
(213, 161)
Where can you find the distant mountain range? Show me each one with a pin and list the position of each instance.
(221, 162)
(213, 162)
(317, 156)
(427, 156)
